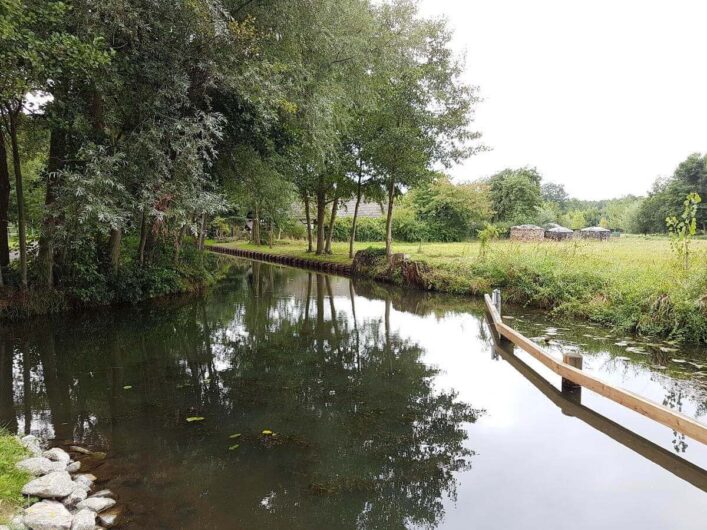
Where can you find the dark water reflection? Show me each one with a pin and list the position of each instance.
(381, 401)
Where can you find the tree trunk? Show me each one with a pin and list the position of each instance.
(352, 238)
(57, 152)
(116, 235)
(309, 222)
(202, 232)
(334, 207)
(270, 235)
(143, 239)
(256, 227)
(178, 244)
(321, 218)
(389, 220)
(20, 195)
(4, 204)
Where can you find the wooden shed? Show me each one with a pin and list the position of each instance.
(527, 233)
(559, 233)
(595, 232)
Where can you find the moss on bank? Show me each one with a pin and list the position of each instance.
(11, 479)
(633, 284)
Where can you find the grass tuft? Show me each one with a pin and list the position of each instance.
(11, 479)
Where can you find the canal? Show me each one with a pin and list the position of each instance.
(287, 399)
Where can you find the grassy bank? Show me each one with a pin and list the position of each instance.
(630, 283)
(11, 480)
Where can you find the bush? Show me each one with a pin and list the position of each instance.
(367, 229)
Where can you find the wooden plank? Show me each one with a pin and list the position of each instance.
(670, 418)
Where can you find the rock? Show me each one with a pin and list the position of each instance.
(97, 504)
(57, 484)
(31, 443)
(39, 465)
(77, 449)
(84, 520)
(109, 518)
(73, 467)
(79, 494)
(103, 493)
(85, 480)
(57, 454)
(47, 515)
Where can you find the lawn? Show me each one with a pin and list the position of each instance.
(632, 283)
(11, 480)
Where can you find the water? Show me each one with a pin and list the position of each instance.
(390, 409)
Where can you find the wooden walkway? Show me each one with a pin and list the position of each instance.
(668, 417)
(313, 264)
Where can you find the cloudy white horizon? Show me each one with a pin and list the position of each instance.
(603, 96)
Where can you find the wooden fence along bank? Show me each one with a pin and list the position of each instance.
(570, 369)
(314, 264)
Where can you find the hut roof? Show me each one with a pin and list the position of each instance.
(595, 229)
(527, 227)
(560, 230)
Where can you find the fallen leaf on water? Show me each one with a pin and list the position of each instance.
(679, 361)
(127, 387)
(237, 435)
(191, 419)
(233, 447)
(267, 432)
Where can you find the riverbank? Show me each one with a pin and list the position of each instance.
(11, 479)
(131, 285)
(632, 284)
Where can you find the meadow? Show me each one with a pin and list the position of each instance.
(631, 283)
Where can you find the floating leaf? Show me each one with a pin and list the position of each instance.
(127, 387)
(237, 435)
(191, 419)
(267, 432)
(233, 447)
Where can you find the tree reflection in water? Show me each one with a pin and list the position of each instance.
(363, 439)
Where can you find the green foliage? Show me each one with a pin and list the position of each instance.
(515, 195)
(11, 480)
(682, 229)
(486, 235)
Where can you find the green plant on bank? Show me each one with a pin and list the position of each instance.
(683, 229)
(11, 479)
(488, 233)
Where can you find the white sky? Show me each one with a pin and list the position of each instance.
(602, 96)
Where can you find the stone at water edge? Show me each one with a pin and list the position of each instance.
(103, 493)
(57, 484)
(48, 515)
(85, 481)
(84, 520)
(110, 517)
(73, 467)
(97, 504)
(79, 494)
(57, 454)
(39, 465)
(77, 449)
(31, 443)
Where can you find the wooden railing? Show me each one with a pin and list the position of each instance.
(573, 374)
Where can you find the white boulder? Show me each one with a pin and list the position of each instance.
(57, 454)
(57, 484)
(39, 465)
(84, 520)
(48, 515)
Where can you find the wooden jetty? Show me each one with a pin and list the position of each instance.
(570, 369)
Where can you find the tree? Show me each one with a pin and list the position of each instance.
(554, 193)
(424, 111)
(682, 229)
(515, 195)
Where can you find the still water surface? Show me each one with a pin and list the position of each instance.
(390, 409)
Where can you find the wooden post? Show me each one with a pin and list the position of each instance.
(496, 297)
(574, 360)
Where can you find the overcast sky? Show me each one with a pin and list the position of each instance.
(602, 96)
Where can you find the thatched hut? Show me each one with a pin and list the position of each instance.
(558, 233)
(595, 232)
(527, 233)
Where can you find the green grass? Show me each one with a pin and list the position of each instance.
(631, 283)
(11, 480)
